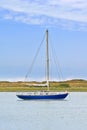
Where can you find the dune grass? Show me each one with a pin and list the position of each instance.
(71, 86)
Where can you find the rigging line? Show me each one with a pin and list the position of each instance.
(58, 66)
(34, 59)
(54, 61)
(57, 63)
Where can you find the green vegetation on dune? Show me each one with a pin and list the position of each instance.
(71, 86)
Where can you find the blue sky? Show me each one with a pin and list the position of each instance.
(22, 27)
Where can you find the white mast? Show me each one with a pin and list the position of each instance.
(47, 60)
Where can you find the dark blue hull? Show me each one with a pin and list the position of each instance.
(43, 97)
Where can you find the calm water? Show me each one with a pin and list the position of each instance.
(69, 114)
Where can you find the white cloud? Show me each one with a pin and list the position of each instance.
(70, 12)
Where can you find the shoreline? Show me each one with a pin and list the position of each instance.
(70, 86)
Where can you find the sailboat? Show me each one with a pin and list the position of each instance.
(44, 95)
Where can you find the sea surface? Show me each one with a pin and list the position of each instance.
(68, 114)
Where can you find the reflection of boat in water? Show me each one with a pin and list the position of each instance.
(44, 94)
